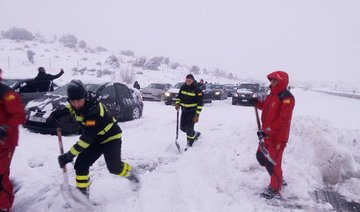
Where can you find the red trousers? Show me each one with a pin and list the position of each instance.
(275, 171)
(6, 189)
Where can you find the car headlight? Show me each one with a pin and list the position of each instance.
(236, 94)
(255, 95)
(167, 94)
(217, 93)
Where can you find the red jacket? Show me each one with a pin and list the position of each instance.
(277, 109)
(12, 114)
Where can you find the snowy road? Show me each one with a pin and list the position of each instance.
(220, 173)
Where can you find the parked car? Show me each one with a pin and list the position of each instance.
(231, 89)
(219, 92)
(247, 91)
(30, 89)
(155, 91)
(171, 94)
(123, 102)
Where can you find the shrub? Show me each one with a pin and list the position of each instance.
(127, 53)
(82, 44)
(18, 34)
(30, 55)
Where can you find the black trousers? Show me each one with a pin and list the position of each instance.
(112, 155)
(187, 124)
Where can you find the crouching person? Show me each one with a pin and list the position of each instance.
(100, 136)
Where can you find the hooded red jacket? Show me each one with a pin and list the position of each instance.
(277, 109)
(12, 114)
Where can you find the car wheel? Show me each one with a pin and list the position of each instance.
(136, 113)
(233, 102)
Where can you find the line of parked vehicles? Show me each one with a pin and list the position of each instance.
(241, 94)
(126, 103)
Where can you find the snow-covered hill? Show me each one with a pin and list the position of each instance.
(93, 64)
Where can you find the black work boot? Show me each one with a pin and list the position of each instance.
(284, 183)
(270, 193)
(4, 210)
(197, 135)
(85, 191)
(134, 179)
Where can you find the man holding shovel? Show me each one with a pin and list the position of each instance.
(276, 118)
(100, 136)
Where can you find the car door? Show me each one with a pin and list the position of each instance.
(125, 101)
(32, 90)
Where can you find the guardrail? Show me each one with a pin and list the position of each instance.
(348, 95)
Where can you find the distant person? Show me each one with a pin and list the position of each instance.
(201, 85)
(43, 76)
(276, 119)
(136, 85)
(11, 116)
(189, 99)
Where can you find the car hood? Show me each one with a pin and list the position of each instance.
(245, 91)
(217, 90)
(46, 104)
(152, 90)
(174, 90)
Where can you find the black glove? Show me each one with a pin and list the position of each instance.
(261, 135)
(3, 131)
(65, 159)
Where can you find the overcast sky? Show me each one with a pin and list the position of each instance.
(310, 39)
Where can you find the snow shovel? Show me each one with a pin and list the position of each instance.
(74, 198)
(177, 131)
(261, 141)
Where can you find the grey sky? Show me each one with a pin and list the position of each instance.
(311, 39)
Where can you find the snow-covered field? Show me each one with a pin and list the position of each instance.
(220, 173)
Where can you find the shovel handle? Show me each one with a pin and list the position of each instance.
(61, 146)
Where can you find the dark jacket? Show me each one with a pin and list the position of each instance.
(42, 76)
(99, 126)
(11, 115)
(277, 109)
(190, 98)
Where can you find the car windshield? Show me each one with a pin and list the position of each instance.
(252, 87)
(10, 82)
(157, 86)
(63, 89)
(217, 87)
(178, 85)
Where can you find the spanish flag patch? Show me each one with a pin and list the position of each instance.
(200, 94)
(90, 123)
(286, 101)
(10, 97)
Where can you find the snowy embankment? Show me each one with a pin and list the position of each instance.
(220, 173)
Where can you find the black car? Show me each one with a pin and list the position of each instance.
(231, 89)
(219, 92)
(30, 89)
(247, 91)
(123, 102)
(171, 94)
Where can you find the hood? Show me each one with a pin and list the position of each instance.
(283, 79)
(47, 104)
(151, 90)
(173, 90)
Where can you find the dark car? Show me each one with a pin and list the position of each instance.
(231, 89)
(155, 91)
(171, 94)
(29, 89)
(247, 91)
(123, 102)
(219, 92)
